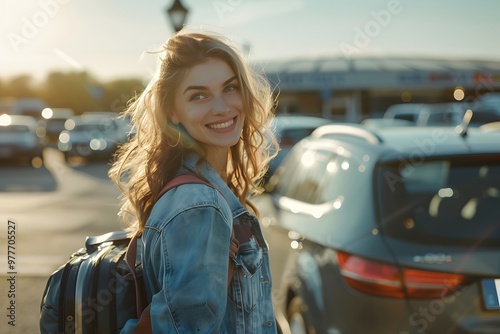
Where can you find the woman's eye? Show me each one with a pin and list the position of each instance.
(231, 88)
(197, 97)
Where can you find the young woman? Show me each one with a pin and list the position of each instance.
(205, 113)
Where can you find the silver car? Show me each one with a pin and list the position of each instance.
(388, 231)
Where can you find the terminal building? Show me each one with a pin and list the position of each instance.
(352, 89)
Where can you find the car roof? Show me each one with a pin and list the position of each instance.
(403, 108)
(384, 122)
(399, 141)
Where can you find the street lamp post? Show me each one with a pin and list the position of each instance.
(177, 14)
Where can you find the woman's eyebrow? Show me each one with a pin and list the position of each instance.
(205, 88)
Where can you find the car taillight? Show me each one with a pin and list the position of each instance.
(370, 277)
(387, 280)
(429, 284)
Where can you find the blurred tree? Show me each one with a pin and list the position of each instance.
(19, 86)
(3, 93)
(76, 90)
(118, 93)
(71, 90)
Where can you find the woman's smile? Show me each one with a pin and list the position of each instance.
(224, 126)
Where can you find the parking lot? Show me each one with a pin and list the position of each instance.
(320, 240)
(53, 209)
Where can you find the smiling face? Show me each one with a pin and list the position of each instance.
(208, 103)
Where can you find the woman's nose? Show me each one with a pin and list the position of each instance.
(221, 107)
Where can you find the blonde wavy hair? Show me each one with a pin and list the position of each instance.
(154, 154)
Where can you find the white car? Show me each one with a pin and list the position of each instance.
(19, 139)
(92, 137)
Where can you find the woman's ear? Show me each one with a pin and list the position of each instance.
(174, 119)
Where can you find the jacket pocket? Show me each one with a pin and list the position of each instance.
(246, 288)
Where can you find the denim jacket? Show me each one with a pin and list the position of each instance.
(185, 257)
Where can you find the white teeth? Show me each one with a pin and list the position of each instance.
(221, 125)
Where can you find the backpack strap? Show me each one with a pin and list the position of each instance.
(144, 325)
(182, 179)
(130, 258)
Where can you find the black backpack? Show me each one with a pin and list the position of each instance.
(94, 292)
(101, 285)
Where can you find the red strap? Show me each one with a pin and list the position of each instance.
(182, 179)
(130, 257)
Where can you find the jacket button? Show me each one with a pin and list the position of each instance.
(268, 324)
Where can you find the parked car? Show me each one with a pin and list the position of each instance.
(394, 230)
(445, 114)
(427, 114)
(19, 140)
(452, 114)
(441, 114)
(122, 123)
(487, 109)
(27, 106)
(404, 111)
(385, 122)
(289, 130)
(92, 137)
(52, 122)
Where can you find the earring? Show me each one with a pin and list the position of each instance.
(178, 138)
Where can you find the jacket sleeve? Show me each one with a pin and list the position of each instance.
(193, 273)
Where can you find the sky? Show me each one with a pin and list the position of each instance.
(116, 39)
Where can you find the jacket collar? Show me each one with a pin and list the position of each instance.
(206, 170)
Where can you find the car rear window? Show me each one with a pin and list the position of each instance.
(449, 201)
(291, 137)
(307, 170)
